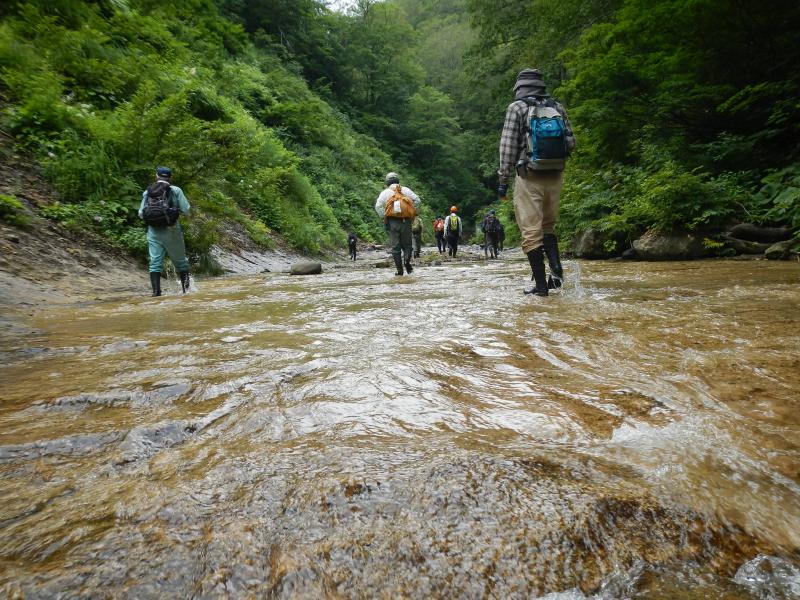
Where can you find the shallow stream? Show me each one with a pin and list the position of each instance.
(360, 435)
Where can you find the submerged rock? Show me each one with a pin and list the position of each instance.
(306, 267)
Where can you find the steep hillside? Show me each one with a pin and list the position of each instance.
(101, 93)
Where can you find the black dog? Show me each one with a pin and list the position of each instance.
(352, 240)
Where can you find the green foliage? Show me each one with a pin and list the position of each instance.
(12, 211)
(624, 202)
(637, 76)
(779, 198)
(284, 117)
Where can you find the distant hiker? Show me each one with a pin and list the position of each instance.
(501, 235)
(398, 205)
(352, 243)
(162, 205)
(452, 231)
(438, 232)
(491, 231)
(537, 138)
(416, 236)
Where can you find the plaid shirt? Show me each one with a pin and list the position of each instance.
(512, 140)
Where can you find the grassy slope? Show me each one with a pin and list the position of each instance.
(102, 93)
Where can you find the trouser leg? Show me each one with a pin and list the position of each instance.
(536, 198)
(176, 249)
(156, 250)
(406, 238)
(395, 243)
(452, 241)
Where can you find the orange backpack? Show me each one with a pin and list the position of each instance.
(400, 206)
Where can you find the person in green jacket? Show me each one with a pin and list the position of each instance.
(162, 204)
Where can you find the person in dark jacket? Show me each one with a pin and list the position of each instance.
(491, 230)
(352, 243)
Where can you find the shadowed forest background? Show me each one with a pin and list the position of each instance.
(283, 116)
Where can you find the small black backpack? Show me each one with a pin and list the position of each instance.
(159, 209)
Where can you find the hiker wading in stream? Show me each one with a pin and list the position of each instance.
(452, 231)
(162, 205)
(537, 138)
(398, 206)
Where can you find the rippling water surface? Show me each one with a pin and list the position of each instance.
(359, 435)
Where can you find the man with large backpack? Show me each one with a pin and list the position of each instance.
(452, 231)
(162, 205)
(398, 205)
(537, 138)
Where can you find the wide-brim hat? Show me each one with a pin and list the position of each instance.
(529, 78)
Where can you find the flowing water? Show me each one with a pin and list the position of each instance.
(360, 435)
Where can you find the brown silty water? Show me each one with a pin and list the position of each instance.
(359, 435)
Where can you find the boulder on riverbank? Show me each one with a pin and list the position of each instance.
(593, 243)
(306, 267)
(669, 246)
(779, 251)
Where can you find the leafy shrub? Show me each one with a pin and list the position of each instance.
(62, 213)
(12, 211)
(778, 200)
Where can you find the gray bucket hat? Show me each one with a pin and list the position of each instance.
(529, 78)
(392, 178)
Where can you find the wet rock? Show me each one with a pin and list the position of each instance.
(756, 233)
(770, 577)
(145, 440)
(75, 445)
(306, 267)
(122, 346)
(779, 251)
(669, 246)
(160, 395)
(593, 243)
(746, 247)
(13, 238)
(383, 264)
(630, 254)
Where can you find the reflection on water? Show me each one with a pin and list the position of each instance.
(359, 435)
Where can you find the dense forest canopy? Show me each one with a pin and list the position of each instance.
(284, 115)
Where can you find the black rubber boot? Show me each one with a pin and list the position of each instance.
(155, 281)
(536, 259)
(556, 270)
(184, 281)
(398, 263)
(409, 268)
